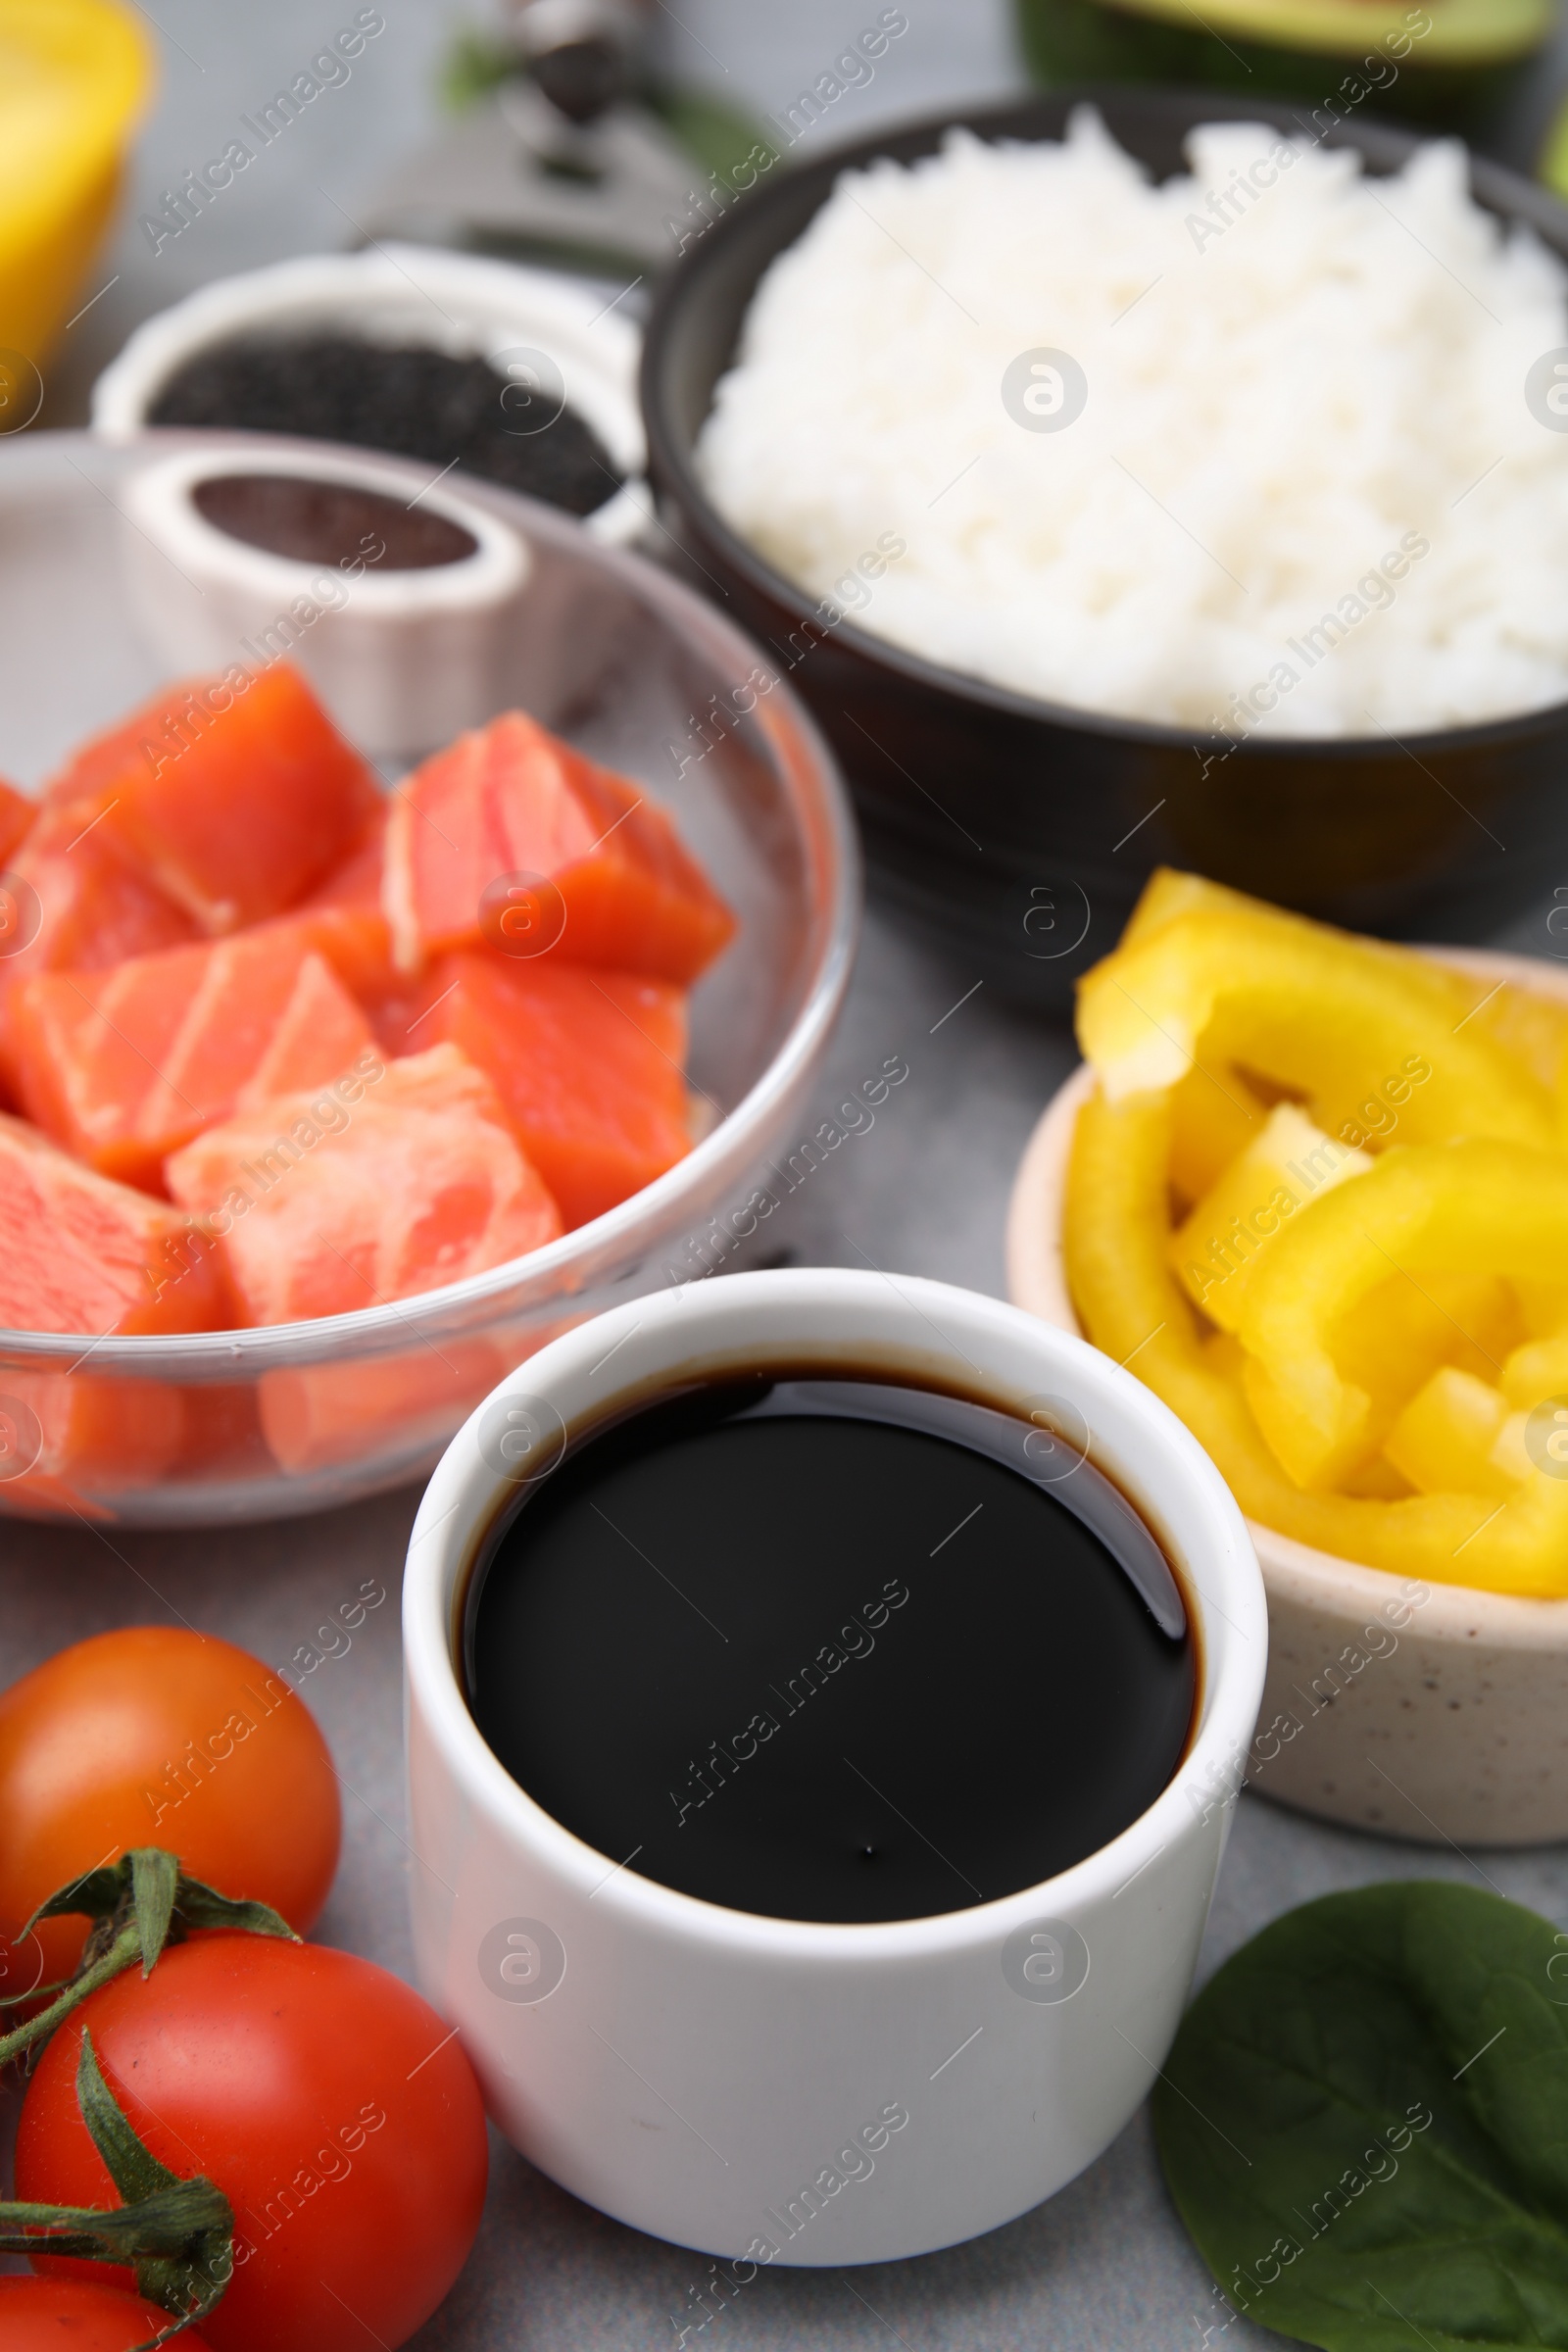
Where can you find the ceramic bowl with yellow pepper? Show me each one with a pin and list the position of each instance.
(1313, 1190)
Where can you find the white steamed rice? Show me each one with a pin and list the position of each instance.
(1272, 409)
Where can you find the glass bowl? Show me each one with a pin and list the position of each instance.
(623, 661)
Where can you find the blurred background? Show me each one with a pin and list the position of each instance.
(720, 73)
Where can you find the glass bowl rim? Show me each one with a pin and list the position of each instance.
(607, 1244)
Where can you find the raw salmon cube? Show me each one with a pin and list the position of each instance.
(235, 794)
(410, 1401)
(80, 1432)
(80, 1253)
(222, 1433)
(124, 1066)
(343, 917)
(17, 813)
(81, 907)
(609, 881)
(392, 1407)
(402, 1178)
(588, 1062)
(70, 905)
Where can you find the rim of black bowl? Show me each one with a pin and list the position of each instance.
(798, 193)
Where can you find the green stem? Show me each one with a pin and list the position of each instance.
(177, 2235)
(121, 1954)
(39, 1992)
(136, 1903)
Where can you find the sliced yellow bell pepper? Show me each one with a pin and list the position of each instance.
(1394, 1339)
(1531, 1028)
(1544, 1306)
(1117, 1240)
(1445, 1436)
(1536, 1439)
(1217, 1250)
(1378, 1042)
(1169, 893)
(1478, 1207)
(1216, 1114)
(1535, 1370)
(1377, 1480)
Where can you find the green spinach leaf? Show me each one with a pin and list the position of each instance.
(1364, 2123)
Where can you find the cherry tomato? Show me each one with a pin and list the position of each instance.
(332, 2106)
(71, 2315)
(155, 1736)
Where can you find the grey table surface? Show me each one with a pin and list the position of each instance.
(1105, 2265)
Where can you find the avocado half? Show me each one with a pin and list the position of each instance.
(1467, 31)
(1461, 58)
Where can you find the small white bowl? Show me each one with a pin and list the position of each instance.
(399, 294)
(1453, 1729)
(402, 658)
(698, 2072)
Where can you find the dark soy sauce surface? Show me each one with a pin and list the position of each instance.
(829, 1650)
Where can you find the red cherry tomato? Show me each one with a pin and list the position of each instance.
(155, 1736)
(330, 2103)
(71, 2315)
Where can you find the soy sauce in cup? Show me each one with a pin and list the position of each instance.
(831, 1649)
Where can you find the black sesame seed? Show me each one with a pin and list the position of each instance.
(410, 400)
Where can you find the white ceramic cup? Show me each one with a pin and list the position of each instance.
(769, 2089)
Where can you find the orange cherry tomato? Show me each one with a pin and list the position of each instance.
(70, 2315)
(156, 1735)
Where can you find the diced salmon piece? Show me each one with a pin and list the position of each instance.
(80, 1253)
(70, 905)
(17, 813)
(343, 919)
(512, 799)
(235, 794)
(416, 1180)
(124, 1066)
(86, 910)
(588, 1062)
(392, 1407)
(98, 1435)
(84, 1433)
(326, 1413)
(222, 1434)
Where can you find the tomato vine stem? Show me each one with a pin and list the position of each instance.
(136, 1905)
(177, 2235)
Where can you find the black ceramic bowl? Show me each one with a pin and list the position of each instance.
(1024, 830)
